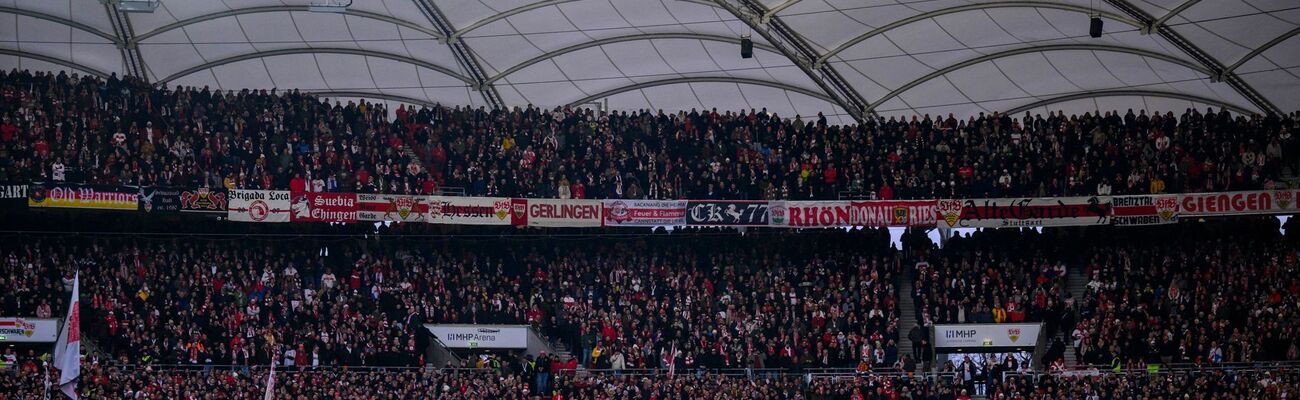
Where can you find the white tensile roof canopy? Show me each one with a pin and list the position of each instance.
(844, 58)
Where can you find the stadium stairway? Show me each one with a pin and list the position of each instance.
(907, 317)
(410, 153)
(560, 349)
(1076, 282)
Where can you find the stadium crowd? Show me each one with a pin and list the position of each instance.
(994, 277)
(622, 304)
(1186, 296)
(120, 131)
(783, 304)
(100, 382)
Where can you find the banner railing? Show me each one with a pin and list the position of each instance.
(264, 206)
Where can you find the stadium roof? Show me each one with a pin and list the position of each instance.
(842, 57)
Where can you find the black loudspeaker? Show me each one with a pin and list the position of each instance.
(746, 48)
(1095, 29)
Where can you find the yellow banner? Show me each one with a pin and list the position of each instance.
(77, 196)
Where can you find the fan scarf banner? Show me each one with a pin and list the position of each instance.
(204, 200)
(259, 205)
(1024, 212)
(821, 214)
(726, 213)
(1279, 201)
(470, 210)
(391, 207)
(555, 212)
(645, 212)
(102, 197)
(324, 207)
(1144, 210)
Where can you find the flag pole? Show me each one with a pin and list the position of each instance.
(46, 392)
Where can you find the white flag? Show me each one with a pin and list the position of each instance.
(67, 351)
(270, 382)
(672, 360)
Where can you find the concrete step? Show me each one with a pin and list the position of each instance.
(907, 313)
(1076, 282)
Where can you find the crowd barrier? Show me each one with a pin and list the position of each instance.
(277, 206)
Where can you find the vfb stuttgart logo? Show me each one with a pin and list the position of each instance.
(1284, 198)
(404, 205)
(1166, 207)
(950, 210)
(1013, 334)
(501, 208)
(777, 213)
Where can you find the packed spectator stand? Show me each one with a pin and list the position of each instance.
(59, 127)
(763, 315)
(189, 306)
(825, 304)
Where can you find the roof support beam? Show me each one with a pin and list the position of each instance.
(59, 20)
(1030, 50)
(464, 55)
(323, 94)
(794, 48)
(1259, 50)
(1126, 93)
(619, 39)
(964, 8)
(700, 79)
(1159, 22)
(1218, 72)
(132, 62)
(767, 16)
(313, 50)
(281, 8)
(55, 60)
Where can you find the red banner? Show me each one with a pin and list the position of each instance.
(815, 214)
(324, 207)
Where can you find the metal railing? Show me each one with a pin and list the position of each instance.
(808, 373)
(1160, 369)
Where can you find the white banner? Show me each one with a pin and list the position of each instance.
(645, 212)
(29, 330)
(1024, 212)
(986, 335)
(259, 205)
(1144, 210)
(1280, 201)
(391, 207)
(480, 336)
(469, 210)
(556, 212)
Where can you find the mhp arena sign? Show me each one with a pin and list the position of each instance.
(480, 336)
